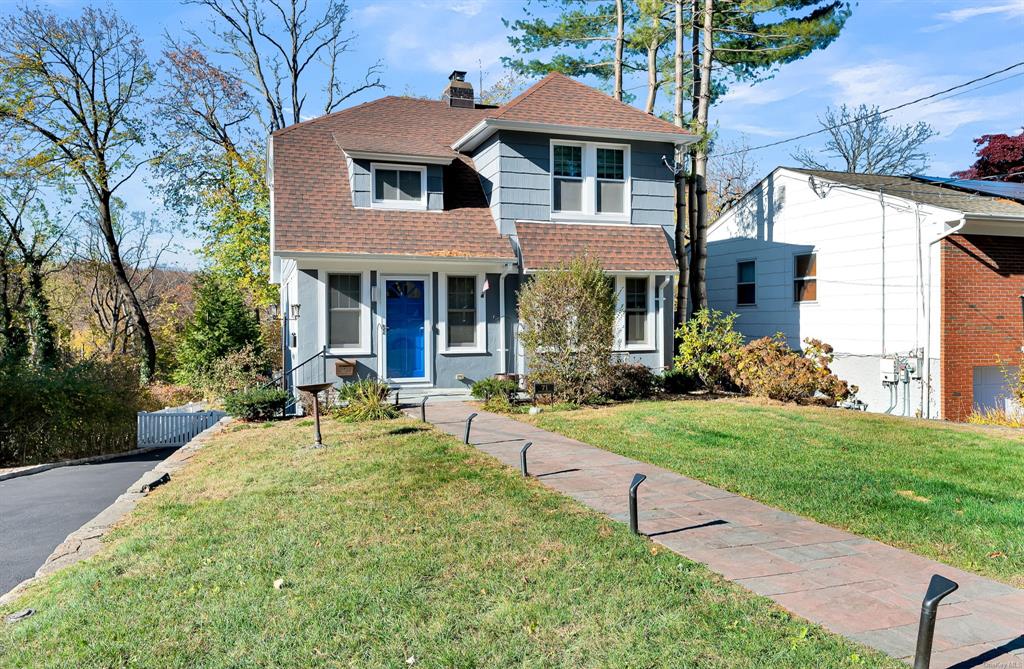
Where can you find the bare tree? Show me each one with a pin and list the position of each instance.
(864, 141)
(732, 171)
(76, 87)
(276, 40)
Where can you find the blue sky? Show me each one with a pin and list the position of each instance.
(891, 51)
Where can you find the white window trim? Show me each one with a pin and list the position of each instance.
(796, 278)
(480, 346)
(739, 283)
(648, 345)
(364, 313)
(417, 205)
(589, 199)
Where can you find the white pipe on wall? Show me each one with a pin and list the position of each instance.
(928, 321)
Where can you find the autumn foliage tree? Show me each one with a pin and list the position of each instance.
(1000, 158)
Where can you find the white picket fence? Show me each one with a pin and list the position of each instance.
(173, 427)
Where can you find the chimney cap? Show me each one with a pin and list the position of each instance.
(457, 75)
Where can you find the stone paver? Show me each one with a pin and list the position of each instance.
(863, 589)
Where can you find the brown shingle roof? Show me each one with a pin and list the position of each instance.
(313, 209)
(925, 193)
(558, 99)
(618, 247)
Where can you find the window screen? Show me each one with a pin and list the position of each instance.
(746, 287)
(636, 310)
(568, 178)
(461, 311)
(397, 185)
(344, 310)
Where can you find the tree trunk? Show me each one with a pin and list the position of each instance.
(682, 261)
(106, 224)
(44, 346)
(652, 66)
(691, 190)
(620, 38)
(702, 99)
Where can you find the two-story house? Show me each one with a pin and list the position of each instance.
(402, 229)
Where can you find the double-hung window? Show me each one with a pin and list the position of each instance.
(590, 181)
(611, 180)
(805, 277)
(746, 286)
(462, 312)
(567, 172)
(636, 310)
(399, 186)
(344, 310)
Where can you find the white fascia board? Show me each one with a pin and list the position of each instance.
(487, 127)
(307, 259)
(398, 157)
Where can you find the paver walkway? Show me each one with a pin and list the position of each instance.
(862, 589)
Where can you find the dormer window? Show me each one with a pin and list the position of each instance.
(590, 181)
(399, 186)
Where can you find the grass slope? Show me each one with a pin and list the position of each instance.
(955, 494)
(395, 542)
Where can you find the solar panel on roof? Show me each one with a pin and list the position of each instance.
(1011, 191)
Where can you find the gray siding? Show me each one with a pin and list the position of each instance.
(488, 166)
(361, 186)
(515, 168)
(653, 187)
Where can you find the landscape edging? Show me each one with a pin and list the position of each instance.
(86, 541)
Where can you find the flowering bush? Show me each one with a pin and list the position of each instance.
(767, 367)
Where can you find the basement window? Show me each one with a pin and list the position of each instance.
(805, 277)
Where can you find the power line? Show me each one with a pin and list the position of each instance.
(866, 116)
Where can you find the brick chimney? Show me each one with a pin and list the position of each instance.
(458, 92)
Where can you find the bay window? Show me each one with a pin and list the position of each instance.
(590, 181)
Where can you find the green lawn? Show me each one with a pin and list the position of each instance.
(952, 493)
(395, 542)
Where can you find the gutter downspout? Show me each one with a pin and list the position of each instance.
(501, 322)
(928, 322)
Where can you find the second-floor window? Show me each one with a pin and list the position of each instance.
(590, 181)
(399, 186)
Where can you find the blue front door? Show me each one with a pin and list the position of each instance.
(406, 308)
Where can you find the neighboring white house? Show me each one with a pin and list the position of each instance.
(915, 284)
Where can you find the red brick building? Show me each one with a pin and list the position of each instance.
(982, 315)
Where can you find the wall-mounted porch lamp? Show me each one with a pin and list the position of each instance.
(275, 312)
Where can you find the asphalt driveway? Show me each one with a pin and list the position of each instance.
(37, 512)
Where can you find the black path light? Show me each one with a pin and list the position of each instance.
(469, 424)
(633, 523)
(314, 389)
(423, 408)
(938, 589)
(522, 458)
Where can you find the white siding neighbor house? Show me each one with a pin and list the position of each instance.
(915, 283)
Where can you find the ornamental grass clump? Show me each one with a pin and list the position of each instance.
(568, 319)
(366, 399)
(768, 367)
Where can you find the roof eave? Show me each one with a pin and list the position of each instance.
(488, 126)
(356, 154)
